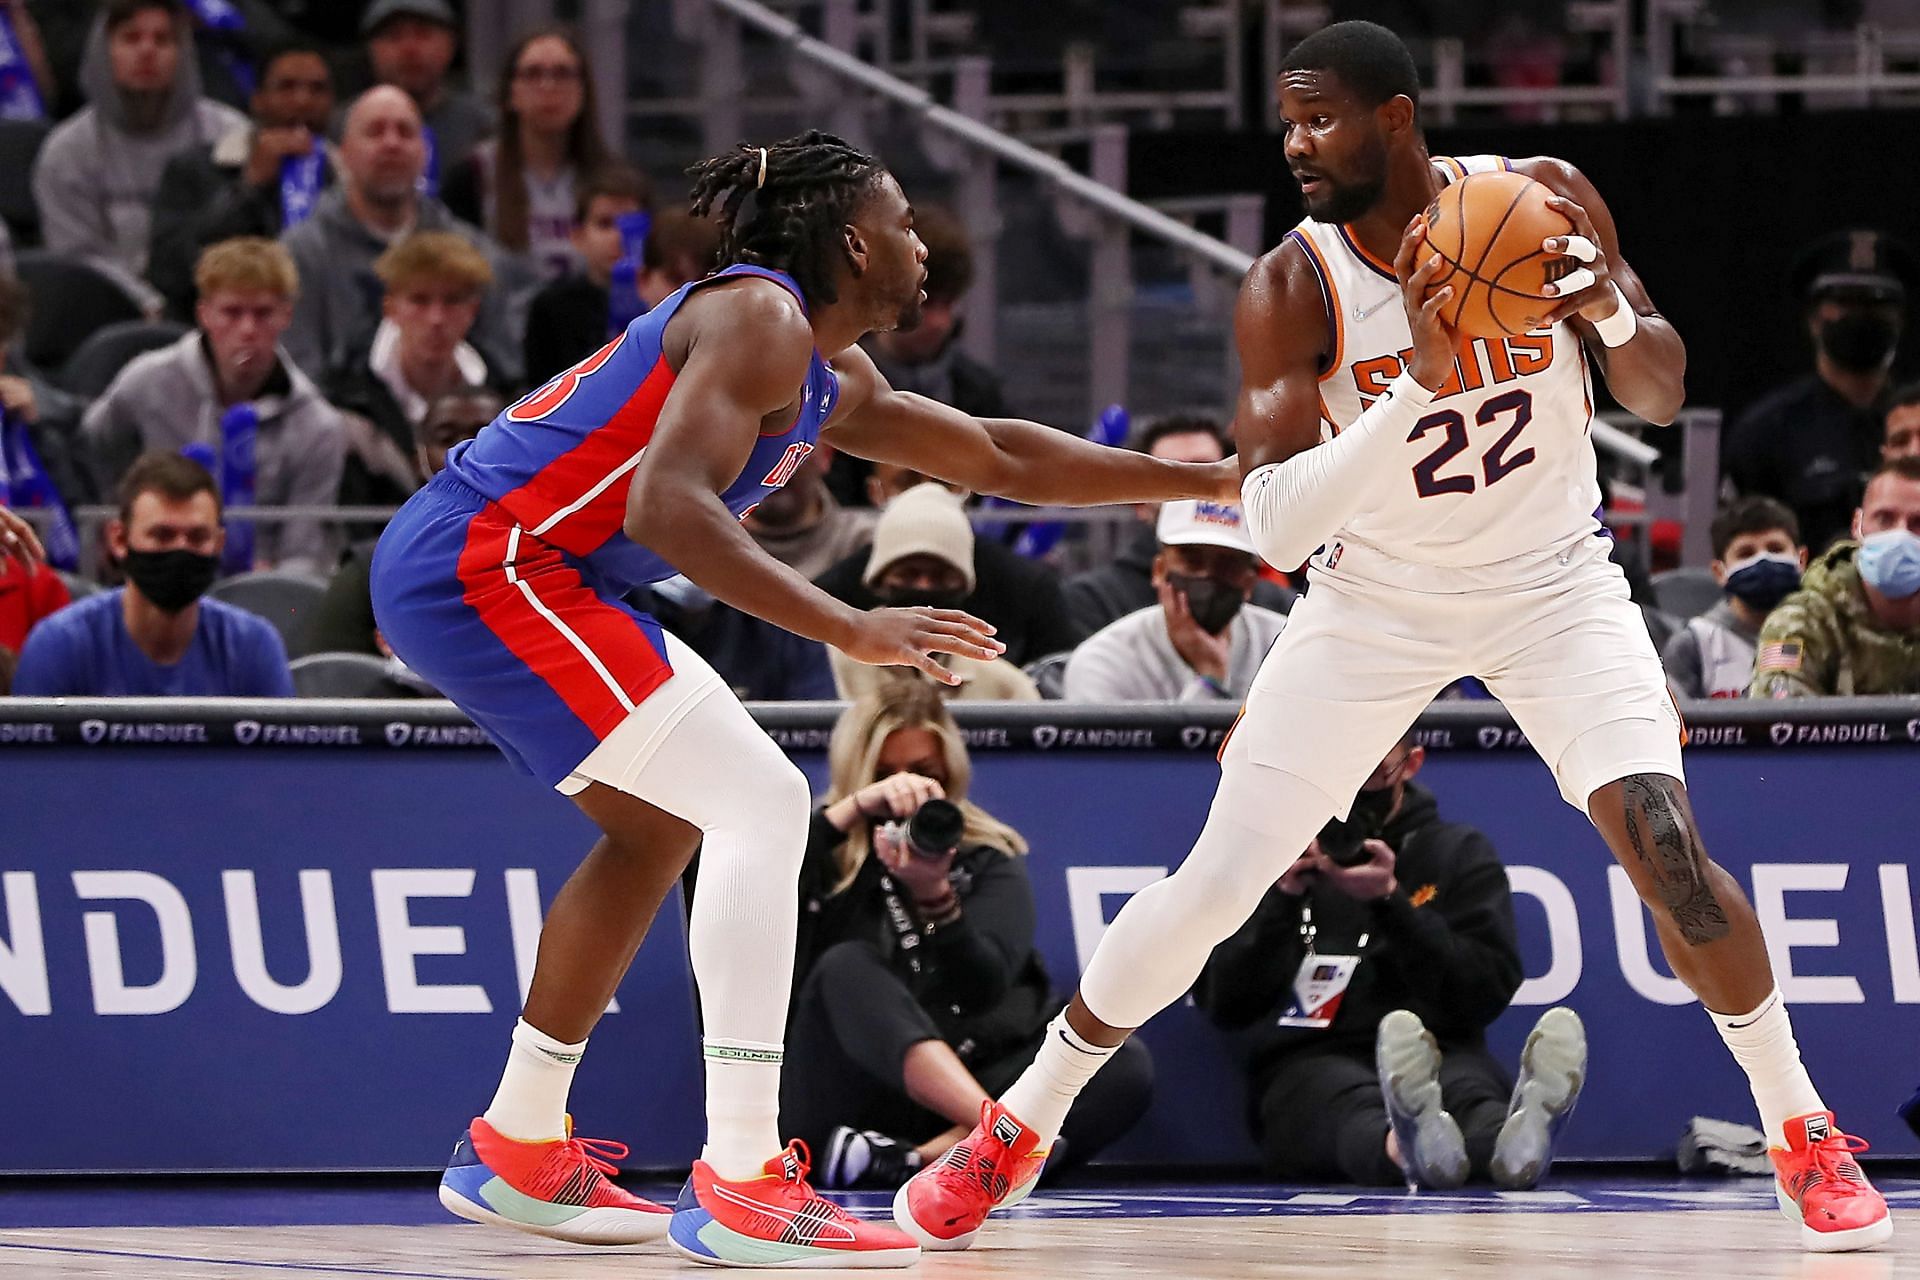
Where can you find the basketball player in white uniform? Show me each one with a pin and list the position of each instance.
(1446, 494)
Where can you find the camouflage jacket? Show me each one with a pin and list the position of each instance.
(1822, 639)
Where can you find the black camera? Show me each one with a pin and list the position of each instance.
(934, 830)
(1344, 843)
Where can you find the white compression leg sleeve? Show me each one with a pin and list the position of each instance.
(1294, 506)
(721, 772)
(1156, 947)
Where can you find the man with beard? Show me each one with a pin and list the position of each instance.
(500, 584)
(156, 637)
(1811, 442)
(1434, 552)
(1203, 640)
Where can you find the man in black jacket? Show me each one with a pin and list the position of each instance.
(1366, 980)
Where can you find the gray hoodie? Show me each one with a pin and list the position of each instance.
(340, 296)
(95, 179)
(166, 399)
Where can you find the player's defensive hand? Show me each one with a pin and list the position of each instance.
(18, 540)
(910, 638)
(1433, 342)
(1586, 289)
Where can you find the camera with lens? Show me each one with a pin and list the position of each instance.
(934, 830)
(1345, 842)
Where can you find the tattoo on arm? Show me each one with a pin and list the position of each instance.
(1660, 827)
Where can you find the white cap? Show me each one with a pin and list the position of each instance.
(1208, 524)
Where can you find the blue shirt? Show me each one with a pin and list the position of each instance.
(85, 651)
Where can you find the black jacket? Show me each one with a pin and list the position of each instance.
(1805, 445)
(980, 979)
(566, 323)
(1453, 959)
(1111, 592)
(1020, 597)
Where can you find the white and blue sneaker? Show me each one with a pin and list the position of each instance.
(1432, 1152)
(1553, 1067)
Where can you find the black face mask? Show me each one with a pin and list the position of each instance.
(917, 597)
(1342, 841)
(1213, 604)
(171, 579)
(1858, 341)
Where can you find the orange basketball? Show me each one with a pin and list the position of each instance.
(1487, 229)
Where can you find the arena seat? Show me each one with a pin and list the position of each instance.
(1049, 674)
(88, 300)
(339, 675)
(19, 145)
(90, 370)
(1686, 592)
(287, 600)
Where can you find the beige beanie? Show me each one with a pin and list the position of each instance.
(925, 520)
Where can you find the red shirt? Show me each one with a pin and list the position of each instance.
(27, 594)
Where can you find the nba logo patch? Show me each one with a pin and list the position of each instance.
(1333, 556)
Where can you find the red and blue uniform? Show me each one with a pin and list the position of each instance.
(501, 581)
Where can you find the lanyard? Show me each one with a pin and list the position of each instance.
(1309, 931)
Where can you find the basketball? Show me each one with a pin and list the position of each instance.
(1487, 229)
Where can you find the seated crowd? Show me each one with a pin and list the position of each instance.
(338, 287)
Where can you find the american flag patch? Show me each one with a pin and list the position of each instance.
(1782, 655)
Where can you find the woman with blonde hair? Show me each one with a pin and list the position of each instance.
(919, 991)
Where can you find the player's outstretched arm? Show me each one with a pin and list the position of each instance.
(1005, 456)
(1298, 491)
(1639, 351)
(747, 352)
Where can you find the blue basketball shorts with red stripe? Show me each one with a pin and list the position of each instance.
(510, 629)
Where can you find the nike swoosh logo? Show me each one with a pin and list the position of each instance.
(1361, 313)
(1742, 1026)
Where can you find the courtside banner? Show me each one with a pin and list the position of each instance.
(295, 935)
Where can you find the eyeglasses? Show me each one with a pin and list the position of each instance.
(547, 75)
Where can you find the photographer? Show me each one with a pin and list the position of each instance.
(920, 994)
(1392, 922)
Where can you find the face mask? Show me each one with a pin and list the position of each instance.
(1890, 563)
(1213, 604)
(1342, 841)
(1764, 580)
(171, 579)
(916, 597)
(1858, 341)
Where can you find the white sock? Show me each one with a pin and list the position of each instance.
(720, 771)
(531, 1104)
(1762, 1043)
(1044, 1093)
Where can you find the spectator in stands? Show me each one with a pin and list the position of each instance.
(255, 181)
(926, 358)
(95, 179)
(1758, 559)
(197, 390)
(1902, 425)
(343, 622)
(1395, 910)
(30, 401)
(33, 50)
(804, 527)
(156, 637)
(377, 204)
(1203, 641)
(1018, 596)
(1810, 442)
(412, 44)
(434, 282)
(1854, 625)
(521, 186)
(573, 317)
(919, 990)
(1104, 595)
(759, 661)
(29, 591)
(924, 553)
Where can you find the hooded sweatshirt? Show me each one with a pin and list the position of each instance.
(95, 179)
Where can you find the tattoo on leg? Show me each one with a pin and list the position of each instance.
(1662, 836)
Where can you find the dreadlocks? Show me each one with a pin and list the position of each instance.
(812, 183)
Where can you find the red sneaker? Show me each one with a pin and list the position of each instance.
(1820, 1186)
(557, 1189)
(776, 1220)
(994, 1167)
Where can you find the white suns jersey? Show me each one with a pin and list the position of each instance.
(1502, 465)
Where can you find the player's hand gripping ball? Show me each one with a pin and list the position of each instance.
(1490, 231)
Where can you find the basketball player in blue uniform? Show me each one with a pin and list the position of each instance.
(1451, 491)
(501, 582)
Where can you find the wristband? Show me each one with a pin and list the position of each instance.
(1617, 329)
(1216, 687)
